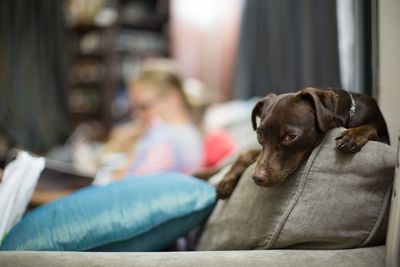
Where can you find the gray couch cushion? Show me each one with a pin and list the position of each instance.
(335, 200)
(374, 257)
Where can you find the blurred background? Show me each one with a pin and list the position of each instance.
(64, 63)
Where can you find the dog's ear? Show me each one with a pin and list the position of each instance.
(325, 104)
(258, 109)
(256, 113)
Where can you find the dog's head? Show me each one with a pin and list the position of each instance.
(290, 126)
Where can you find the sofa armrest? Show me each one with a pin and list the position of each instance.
(362, 257)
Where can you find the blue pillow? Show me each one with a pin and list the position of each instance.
(135, 214)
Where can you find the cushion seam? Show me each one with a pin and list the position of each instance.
(384, 206)
(297, 195)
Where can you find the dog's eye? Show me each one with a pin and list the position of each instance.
(287, 138)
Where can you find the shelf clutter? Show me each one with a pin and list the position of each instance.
(107, 41)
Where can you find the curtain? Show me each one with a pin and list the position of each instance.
(286, 45)
(33, 108)
(357, 44)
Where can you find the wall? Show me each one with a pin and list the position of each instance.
(389, 64)
(204, 36)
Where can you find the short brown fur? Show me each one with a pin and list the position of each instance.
(292, 125)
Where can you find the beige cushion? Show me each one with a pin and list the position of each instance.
(335, 200)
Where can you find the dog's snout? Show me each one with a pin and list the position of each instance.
(263, 178)
(258, 180)
(263, 181)
(260, 177)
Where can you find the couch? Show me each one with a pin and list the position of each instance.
(382, 255)
(374, 256)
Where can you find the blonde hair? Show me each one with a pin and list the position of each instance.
(164, 80)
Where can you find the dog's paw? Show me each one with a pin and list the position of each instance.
(349, 141)
(226, 187)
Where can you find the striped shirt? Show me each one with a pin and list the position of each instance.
(168, 148)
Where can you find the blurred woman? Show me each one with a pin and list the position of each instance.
(166, 137)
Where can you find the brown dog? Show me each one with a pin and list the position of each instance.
(292, 125)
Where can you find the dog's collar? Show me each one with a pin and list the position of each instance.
(353, 104)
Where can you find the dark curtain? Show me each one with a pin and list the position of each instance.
(358, 44)
(365, 45)
(32, 73)
(286, 45)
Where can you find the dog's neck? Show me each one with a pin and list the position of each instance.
(353, 104)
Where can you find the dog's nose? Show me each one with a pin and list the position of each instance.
(260, 176)
(258, 180)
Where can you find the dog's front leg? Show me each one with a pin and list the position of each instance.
(231, 178)
(353, 139)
